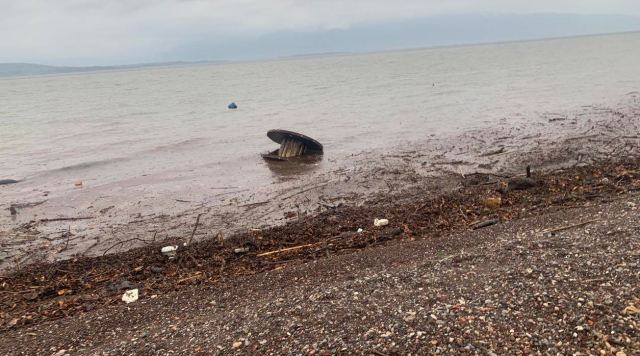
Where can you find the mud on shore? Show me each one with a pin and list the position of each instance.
(86, 222)
(41, 292)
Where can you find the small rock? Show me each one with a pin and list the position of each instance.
(156, 269)
(410, 316)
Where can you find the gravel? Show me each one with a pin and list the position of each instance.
(512, 288)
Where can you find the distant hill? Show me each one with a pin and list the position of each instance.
(29, 69)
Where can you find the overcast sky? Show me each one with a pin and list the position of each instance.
(84, 32)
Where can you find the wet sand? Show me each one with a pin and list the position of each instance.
(91, 221)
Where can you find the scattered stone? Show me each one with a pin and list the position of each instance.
(156, 269)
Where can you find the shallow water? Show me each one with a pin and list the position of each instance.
(111, 126)
(162, 141)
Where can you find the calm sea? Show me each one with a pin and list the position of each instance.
(146, 132)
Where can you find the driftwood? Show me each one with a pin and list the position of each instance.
(481, 224)
(129, 240)
(68, 234)
(68, 219)
(284, 250)
(493, 152)
(551, 231)
(195, 227)
(253, 205)
(305, 190)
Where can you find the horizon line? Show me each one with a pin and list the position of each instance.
(300, 56)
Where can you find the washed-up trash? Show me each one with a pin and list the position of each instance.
(292, 144)
(130, 296)
(170, 251)
(78, 183)
(241, 250)
(232, 106)
(492, 202)
(380, 222)
(360, 230)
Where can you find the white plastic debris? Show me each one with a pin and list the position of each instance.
(380, 222)
(169, 251)
(130, 296)
(241, 250)
(360, 230)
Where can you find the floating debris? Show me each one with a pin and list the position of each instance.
(8, 181)
(292, 145)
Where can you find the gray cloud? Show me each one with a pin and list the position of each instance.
(124, 31)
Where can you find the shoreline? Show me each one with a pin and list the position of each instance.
(565, 230)
(42, 292)
(556, 140)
